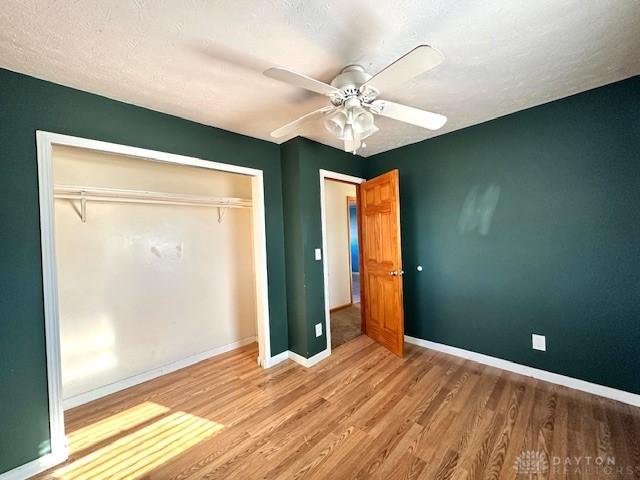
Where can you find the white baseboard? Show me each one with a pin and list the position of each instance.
(305, 362)
(311, 361)
(86, 397)
(83, 398)
(34, 467)
(281, 357)
(576, 384)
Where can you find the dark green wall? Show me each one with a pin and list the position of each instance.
(302, 160)
(294, 247)
(27, 105)
(562, 256)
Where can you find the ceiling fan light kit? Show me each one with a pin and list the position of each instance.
(353, 96)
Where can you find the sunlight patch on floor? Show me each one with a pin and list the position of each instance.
(140, 452)
(113, 425)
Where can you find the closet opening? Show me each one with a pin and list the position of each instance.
(151, 262)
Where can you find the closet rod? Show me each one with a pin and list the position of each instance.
(74, 192)
(116, 195)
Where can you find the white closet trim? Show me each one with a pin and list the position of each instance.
(45, 142)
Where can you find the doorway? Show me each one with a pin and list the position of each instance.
(380, 270)
(342, 258)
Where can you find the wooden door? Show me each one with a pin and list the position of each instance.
(381, 276)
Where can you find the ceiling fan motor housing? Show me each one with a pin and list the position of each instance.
(351, 77)
(348, 82)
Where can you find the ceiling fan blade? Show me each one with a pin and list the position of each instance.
(404, 113)
(300, 80)
(412, 64)
(293, 126)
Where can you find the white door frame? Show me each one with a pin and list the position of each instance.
(328, 175)
(45, 142)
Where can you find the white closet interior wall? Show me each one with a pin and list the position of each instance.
(140, 285)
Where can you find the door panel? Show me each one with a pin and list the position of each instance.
(382, 261)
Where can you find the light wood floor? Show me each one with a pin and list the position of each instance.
(362, 413)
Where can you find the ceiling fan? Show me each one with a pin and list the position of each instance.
(354, 98)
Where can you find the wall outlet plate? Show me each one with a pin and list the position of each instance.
(318, 254)
(539, 342)
(318, 329)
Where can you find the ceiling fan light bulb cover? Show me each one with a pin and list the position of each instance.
(363, 121)
(369, 132)
(335, 123)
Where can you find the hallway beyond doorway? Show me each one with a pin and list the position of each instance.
(345, 325)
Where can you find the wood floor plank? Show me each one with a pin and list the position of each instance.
(361, 414)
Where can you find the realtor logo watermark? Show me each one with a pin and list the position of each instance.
(536, 464)
(532, 463)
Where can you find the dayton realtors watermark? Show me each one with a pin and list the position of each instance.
(536, 464)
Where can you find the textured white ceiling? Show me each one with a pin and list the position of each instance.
(202, 60)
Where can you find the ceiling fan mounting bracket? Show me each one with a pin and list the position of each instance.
(350, 77)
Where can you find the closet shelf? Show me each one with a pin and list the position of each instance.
(95, 194)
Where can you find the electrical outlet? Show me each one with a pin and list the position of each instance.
(539, 342)
(318, 254)
(318, 329)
